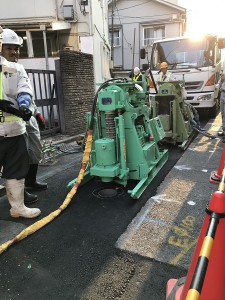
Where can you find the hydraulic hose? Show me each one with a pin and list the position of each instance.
(196, 127)
(46, 220)
(205, 133)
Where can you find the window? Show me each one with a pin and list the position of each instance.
(23, 49)
(38, 44)
(116, 37)
(151, 34)
(180, 53)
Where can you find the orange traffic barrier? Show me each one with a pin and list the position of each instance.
(217, 175)
(206, 274)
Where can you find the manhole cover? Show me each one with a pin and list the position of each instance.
(108, 192)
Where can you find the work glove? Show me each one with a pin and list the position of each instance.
(24, 99)
(26, 113)
(5, 105)
(22, 112)
(40, 120)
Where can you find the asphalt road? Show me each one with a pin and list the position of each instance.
(75, 256)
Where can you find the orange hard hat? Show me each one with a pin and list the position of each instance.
(163, 65)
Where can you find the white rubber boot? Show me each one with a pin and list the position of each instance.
(15, 195)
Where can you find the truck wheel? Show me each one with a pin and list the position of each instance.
(214, 111)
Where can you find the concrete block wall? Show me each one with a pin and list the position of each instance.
(78, 88)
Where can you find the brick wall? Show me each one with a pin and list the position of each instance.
(77, 77)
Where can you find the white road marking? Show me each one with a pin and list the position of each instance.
(191, 203)
(182, 167)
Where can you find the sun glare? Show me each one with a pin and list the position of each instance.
(204, 17)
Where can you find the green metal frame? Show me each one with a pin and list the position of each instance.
(179, 115)
(131, 152)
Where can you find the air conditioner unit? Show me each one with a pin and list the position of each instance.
(68, 12)
(84, 2)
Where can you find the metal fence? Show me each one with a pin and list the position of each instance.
(45, 96)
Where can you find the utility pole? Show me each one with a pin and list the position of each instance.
(43, 28)
(112, 31)
(134, 47)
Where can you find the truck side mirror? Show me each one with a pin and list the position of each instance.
(206, 54)
(208, 58)
(143, 53)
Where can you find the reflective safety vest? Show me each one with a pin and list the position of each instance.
(136, 77)
(165, 77)
(8, 117)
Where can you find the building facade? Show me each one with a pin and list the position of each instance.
(48, 26)
(136, 25)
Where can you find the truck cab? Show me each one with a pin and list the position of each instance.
(197, 62)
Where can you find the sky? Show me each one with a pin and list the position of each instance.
(205, 16)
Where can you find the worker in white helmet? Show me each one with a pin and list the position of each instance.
(11, 44)
(137, 76)
(14, 158)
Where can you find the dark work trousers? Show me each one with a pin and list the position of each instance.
(14, 157)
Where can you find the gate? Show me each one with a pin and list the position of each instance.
(45, 96)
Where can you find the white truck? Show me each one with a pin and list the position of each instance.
(195, 61)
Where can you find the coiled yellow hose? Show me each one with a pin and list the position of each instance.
(41, 223)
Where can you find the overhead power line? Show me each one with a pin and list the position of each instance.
(144, 17)
(135, 5)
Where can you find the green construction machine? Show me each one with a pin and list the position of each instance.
(125, 139)
(176, 116)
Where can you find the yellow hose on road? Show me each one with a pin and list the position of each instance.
(41, 223)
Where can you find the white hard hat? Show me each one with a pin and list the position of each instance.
(11, 38)
(136, 70)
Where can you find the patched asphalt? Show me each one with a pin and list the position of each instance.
(117, 248)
